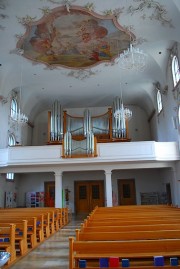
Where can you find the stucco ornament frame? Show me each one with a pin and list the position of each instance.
(73, 37)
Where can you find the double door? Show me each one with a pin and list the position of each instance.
(88, 194)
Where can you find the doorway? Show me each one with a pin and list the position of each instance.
(168, 191)
(49, 196)
(126, 192)
(88, 194)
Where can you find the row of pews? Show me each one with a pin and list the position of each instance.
(137, 237)
(23, 229)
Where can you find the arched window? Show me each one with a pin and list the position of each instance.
(14, 108)
(159, 101)
(11, 142)
(175, 70)
(179, 114)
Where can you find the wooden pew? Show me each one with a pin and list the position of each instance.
(117, 222)
(20, 235)
(7, 240)
(31, 228)
(132, 249)
(128, 235)
(26, 215)
(126, 228)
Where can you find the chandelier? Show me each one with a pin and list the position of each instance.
(133, 59)
(16, 114)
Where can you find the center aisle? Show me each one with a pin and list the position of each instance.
(52, 253)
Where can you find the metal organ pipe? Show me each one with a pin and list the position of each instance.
(119, 121)
(67, 144)
(90, 143)
(87, 122)
(56, 121)
(52, 123)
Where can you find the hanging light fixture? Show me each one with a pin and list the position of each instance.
(18, 116)
(133, 59)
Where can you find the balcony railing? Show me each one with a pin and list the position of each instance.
(106, 152)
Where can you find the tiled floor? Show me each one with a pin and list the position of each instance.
(53, 253)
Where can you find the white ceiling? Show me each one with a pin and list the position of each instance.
(156, 30)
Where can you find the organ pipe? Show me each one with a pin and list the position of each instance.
(119, 119)
(56, 122)
(67, 144)
(87, 122)
(90, 143)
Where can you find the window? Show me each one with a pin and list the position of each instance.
(175, 70)
(179, 115)
(11, 142)
(159, 101)
(10, 176)
(14, 108)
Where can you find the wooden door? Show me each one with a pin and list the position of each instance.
(127, 192)
(49, 197)
(88, 194)
(168, 191)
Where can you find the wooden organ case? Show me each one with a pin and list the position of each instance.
(79, 134)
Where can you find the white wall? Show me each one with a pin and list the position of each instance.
(33, 182)
(146, 180)
(162, 126)
(40, 135)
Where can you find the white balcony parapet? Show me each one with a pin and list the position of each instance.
(107, 152)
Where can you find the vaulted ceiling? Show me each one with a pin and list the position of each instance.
(154, 26)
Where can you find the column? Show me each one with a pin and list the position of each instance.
(58, 189)
(108, 187)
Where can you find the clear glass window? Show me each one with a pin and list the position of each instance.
(14, 108)
(179, 114)
(11, 142)
(159, 101)
(10, 176)
(175, 70)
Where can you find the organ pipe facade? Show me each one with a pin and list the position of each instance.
(78, 134)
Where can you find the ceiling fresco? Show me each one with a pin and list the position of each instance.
(75, 39)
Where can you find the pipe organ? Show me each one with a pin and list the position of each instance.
(79, 135)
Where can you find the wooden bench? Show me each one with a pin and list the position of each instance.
(117, 222)
(128, 235)
(27, 215)
(7, 240)
(20, 235)
(31, 228)
(126, 228)
(135, 267)
(132, 249)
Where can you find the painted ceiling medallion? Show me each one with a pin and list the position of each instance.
(75, 39)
